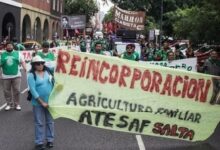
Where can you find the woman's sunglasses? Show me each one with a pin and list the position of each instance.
(39, 63)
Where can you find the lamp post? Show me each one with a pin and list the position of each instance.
(161, 23)
(9, 27)
(35, 30)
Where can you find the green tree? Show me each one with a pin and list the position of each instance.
(109, 16)
(81, 7)
(199, 23)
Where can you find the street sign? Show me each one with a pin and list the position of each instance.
(151, 35)
(157, 32)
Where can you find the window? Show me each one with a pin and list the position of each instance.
(61, 7)
(58, 5)
(54, 4)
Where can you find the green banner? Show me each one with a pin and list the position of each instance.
(121, 95)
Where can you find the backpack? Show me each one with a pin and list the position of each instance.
(29, 95)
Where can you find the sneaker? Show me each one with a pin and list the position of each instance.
(50, 145)
(40, 147)
(7, 108)
(18, 108)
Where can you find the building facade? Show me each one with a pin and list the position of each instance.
(33, 19)
(10, 15)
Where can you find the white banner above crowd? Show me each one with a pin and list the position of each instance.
(188, 64)
(133, 20)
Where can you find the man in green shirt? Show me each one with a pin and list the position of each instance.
(92, 45)
(98, 49)
(161, 55)
(105, 44)
(18, 46)
(47, 56)
(135, 52)
(83, 45)
(10, 61)
(129, 54)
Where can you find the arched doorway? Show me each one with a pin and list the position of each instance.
(8, 26)
(37, 29)
(46, 30)
(26, 28)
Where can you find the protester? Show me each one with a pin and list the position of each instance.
(135, 52)
(98, 48)
(36, 48)
(83, 45)
(75, 45)
(54, 43)
(129, 55)
(47, 55)
(162, 54)
(40, 84)
(190, 53)
(178, 54)
(212, 67)
(170, 56)
(105, 43)
(149, 52)
(68, 44)
(18, 46)
(11, 75)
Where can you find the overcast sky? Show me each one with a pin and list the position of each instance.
(105, 8)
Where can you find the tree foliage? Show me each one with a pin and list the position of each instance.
(81, 7)
(200, 23)
(109, 16)
(197, 20)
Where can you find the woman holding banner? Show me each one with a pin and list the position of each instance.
(40, 83)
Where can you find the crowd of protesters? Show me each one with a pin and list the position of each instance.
(105, 45)
(41, 74)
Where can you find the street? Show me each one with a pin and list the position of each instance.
(17, 133)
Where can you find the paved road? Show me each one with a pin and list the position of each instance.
(17, 133)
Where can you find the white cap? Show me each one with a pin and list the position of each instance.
(142, 36)
(37, 59)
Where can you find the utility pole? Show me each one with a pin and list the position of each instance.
(161, 23)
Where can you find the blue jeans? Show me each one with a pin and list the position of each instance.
(42, 121)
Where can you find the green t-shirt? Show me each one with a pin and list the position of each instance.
(161, 55)
(100, 53)
(150, 56)
(10, 63)
(83, 46)
(92, 45)
(105, 45)
(19, 47)
(136, 55)
(129, 57)
(47, 56)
